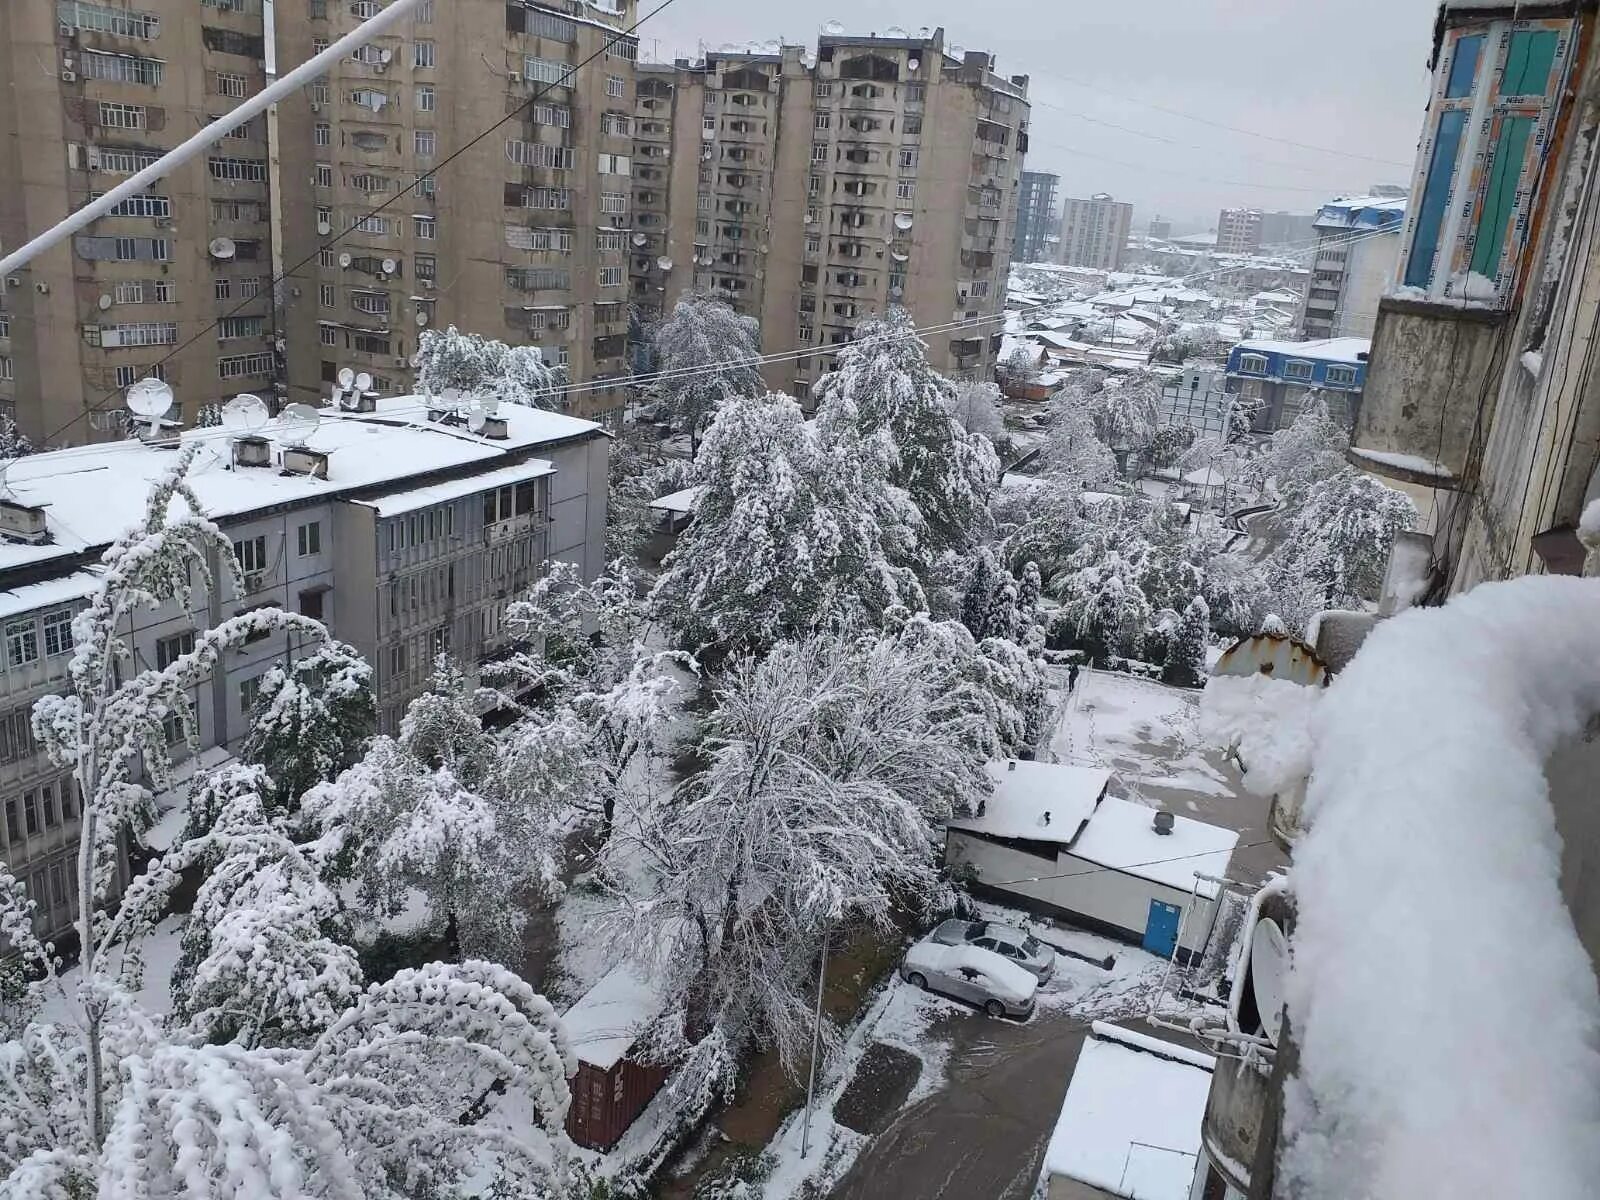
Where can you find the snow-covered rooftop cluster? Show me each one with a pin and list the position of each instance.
(1446, 1013)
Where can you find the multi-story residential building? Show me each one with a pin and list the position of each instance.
(1277, 377)
(1160, 229)
(1094, 232)
(96, 91)
(1038, 225)
(1238, 231)
(1358, 247)
(407, 538)
(542, 261)
(667, 134)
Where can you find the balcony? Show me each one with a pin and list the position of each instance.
(1430, 391)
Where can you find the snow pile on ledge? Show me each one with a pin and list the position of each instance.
(1447, 1017)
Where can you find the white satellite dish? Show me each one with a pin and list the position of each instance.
(490, 403)
(222, 247)
(324, 228)
(385, 55)
(913, 63)
(833, 29)
(347, 377)
(104, 302)
(390, 266)
(345, 259)
(639, 239)
(450, 397)
(363, 382)
(476, 418)
(1269, 971)
(898, 257)
(903, 220)
(245, 414)
(897, 292)
(149, 398)
(422, 316)
(299, 422)
(664, 263)
(894, 31)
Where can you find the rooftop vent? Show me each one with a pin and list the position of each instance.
(1162, 823)
(23, 522)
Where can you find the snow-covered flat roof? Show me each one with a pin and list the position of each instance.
(1026, 793)
(438, 493)
(61, 590)
(606, 1019)
(1341, 350)
(679, 503)
(1130, 1123)
(1121, 835)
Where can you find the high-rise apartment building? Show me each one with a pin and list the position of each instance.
(809, 196)
(93, 93)
(525, 237)
(1038, 227)
(1238, 231)
(1094, 232)
(1358, 252)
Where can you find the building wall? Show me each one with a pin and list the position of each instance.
(1094, 232)
(1037, 222)
(1348, 279)
(1238, 231)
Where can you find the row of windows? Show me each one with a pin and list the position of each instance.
(122, 68)
(241, 366)
(37, 809)
(249, 287)
(103, 19)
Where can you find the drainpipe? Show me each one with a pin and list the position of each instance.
(280, 341)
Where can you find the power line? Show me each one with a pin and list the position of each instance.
(1152, 862)
(338, 236)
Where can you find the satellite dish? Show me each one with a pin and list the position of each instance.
(902, 220)
(104, 302)
(913, 63)
(476, 418)
(898, 257)
(149, 398)
(894, 31)
(490, 403)
(639, 239)
(422, 316)
(221, 247)
(833, 29)
(897, 292)
(363, 382)
(347, 377)
(664, 263)
(1269, 969)
(245, 414)
(299, 422)
(451, 397)
(390, 266)
(344, 259)
(809, 218)
(324, 228)
(386, 56)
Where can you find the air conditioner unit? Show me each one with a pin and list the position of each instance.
(254, 581)
(400, 360)
(315, 107)
(68, 31)
(514, 76)
(69, 77)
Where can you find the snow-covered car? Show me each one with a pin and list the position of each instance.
(970, 973)
(1008, 941)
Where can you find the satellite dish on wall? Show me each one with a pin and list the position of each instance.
(221, 248)
(639, 239)
(1269, 971)
(149, 398)
(903, 220)
(386, 56)
(422, 316)
(390, 266)
(104, 302)
(324, 228)
(664, 263)
(299, 422)
(245, 414)
(833, 29)
(345, 259)
(913, 63)
(476, 417)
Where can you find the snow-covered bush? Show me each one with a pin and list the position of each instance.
(478, 365)
(1338, 543)
(976, 407)
(1184, 662)
(706, 354)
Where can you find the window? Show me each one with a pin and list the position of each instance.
(614, 164)
(250, 286)
(911, 126)
(374, 304)
(127, 376)
(1296, 369)
(1341, 376)
(121, 162)
(375, 225)
(423, 13)
(905, 191)
(537, 154)
(326, 257)
(325, 296)
(908, 160)
(235, 87)
(610, 276)
(122, 116)
(322, 134)
(327, 335)
(608, 239)
(615, 123)
(823, 120)
(545, 70)
(317, 10)
(309, 538)
(122, 68)
(239, 366)
(425, 228)
(57, 632)
(613, 202)
(422, 54)
(614, 87)
(1253, 364)
(427, 99)
(252, 170)
(170, 649)
(22, 642)
(13, 825)
(425, 266)
(252, 554)
(249, 693)
(397, 661)
(819, 152)
(424, 141)
(324, 175)
(30, 820)
(229, 328)
(139, 333)
(103, 19)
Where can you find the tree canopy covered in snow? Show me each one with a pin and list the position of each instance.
(480, 366)
(976, 407)
(706, 355)
(1339, 539)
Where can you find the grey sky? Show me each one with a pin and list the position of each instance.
(1352, 76)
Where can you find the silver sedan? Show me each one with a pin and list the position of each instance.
(981, 977)
(1008, 941)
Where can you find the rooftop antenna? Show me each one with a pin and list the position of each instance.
(151, 399)
(343, 382)
(244, 417)
(298, 422)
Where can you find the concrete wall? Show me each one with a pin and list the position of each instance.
(1369, 271)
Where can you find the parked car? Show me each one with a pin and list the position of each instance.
(1008, 941)
(978, 976)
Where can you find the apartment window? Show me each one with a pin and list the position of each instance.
(102, 19)
(326, 257)
(122, 68)
(309, 538)
(614, 164)
(252, 554)
(911, 126)
(823, 120)
(427, 98)
(424, 142)
(908, 160)
(318, 10)
(905, 191)
(127, 376)
(370, 343)
(822, 90)
(230, 328)
(325, 295)
(1495, 93)
(537, 154)
(422, 54)
(610, 276)
(374, 304)
(328, 335)
(250, 170)
(249, 693)
(239, 366)
(426, 186)
(22, 642)
(1341, 376)
(813, 243)
(608, 239)
(425, 228)
(819, 152)
(30, 821)
(423, 13)
(545, 70)
(1296, 369)
(538, 279)
(221, 289)
(558, 116)
(613, 202)
(57, 632)
(322, 134)
(235, 87)
(13, 824)
(139, 333)
(318, 92)
(1253, 364)
(425, 266)
(170, 649)
(614, 87)
(122, 116)
(616, 123)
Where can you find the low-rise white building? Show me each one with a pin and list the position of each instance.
(406, 535)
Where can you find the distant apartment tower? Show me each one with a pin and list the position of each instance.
(1160, 228)
(95, 92)
(1238, 231)
(1094, 232)
(524, 238)
(1357, 254)
(810, 196)
(1038, 226)
(1286, 229)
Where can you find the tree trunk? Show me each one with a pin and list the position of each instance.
(94, 1006)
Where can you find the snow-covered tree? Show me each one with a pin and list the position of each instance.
(209, 416)
(1018, 368)
(13, 442)
(311, 720)
(1185, 663)
(121, 1103)
(1073, 454)
(706, 355)
(976, 407)
(1341, 534)
(1304, 453)
(1168, 444)
(478, 365)
(1126, 411)
(1108, 609)
(884, 389)
(789, 535)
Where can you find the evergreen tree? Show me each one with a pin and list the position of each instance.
(1185, 663)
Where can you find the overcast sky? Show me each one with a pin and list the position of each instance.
(1350, 76)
